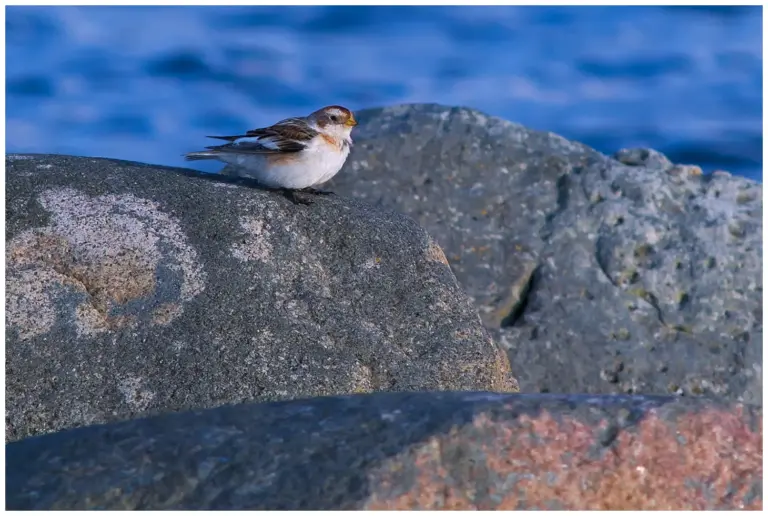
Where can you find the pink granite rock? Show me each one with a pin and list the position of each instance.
(449, 450)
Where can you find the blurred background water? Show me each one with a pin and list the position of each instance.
(148, 83)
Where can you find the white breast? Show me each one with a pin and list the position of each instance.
(315, 165)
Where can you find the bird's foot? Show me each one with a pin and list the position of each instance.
(317, 191)
(295, 197)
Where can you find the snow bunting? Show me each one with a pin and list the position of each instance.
(294, 154)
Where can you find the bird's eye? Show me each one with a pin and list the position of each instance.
(334, 118)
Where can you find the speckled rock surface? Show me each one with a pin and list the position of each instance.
(405, 451)
(597, 276)
(133, 289)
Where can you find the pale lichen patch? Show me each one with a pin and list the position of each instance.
(134, 395)
(29, 307)
(256, 246)
(373, 262)
(88, 321)
(362, 379)
(108, 248)
(435, 253)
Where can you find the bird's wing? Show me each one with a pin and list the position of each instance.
(286, 136)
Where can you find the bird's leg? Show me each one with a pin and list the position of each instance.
(294, 197)
(317, 191)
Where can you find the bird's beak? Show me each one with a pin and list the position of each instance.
(351, 122)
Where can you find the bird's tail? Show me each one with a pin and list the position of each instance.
(206, 154)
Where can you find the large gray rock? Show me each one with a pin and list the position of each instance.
(399, 451)
(596, 276)
(133, 289)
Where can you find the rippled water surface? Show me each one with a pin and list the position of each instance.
(147, 83)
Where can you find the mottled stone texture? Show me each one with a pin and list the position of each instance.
(134, 290)
(598, 275)
(469, 450)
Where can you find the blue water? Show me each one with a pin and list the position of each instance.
(147, 83)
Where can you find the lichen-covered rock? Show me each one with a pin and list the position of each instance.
(596, 276)
(641, 157)
(469, 451)
(133, 289)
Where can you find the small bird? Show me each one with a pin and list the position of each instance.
(295, 154)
